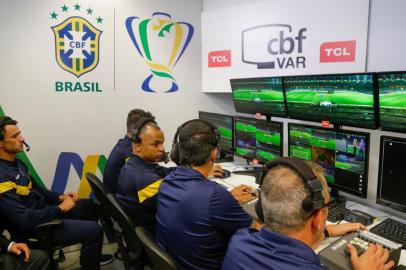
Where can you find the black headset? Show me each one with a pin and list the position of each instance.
(135, 136)
(175, 156)
(312, 184)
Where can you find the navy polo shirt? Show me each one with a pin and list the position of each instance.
(117, 158)
(196, 218)
(250, 249)
(137, 188)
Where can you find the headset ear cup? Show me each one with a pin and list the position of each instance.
(258, 209)
(175, 153)
(307, 204)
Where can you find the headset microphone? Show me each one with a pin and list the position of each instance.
(27, 147)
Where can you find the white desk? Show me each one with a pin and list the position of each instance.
(235, 180)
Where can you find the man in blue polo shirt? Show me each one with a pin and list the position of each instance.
(291, 233)
(121, 151)
(24, 204)
(196, 217)
(141, 176)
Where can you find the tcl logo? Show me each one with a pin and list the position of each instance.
(338, 51)
(220, 58)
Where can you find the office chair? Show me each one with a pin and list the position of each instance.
(106, 212)
(133, 256)
(40, 237)
(157, 256)
(103, 204)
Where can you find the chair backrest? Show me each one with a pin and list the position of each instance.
(158, 257)
(127, 226)
(100, 194)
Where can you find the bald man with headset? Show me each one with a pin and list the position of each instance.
(293, 204)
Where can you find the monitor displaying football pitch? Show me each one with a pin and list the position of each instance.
(259, 95)
(340, 99)
(392, 101)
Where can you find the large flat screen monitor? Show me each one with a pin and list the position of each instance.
(341, 99)
(225, 125)
(259, 95)
(257, 139)
(342, 154)
(391, 177)
(392, 101)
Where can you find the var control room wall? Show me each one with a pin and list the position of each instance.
(71, 132)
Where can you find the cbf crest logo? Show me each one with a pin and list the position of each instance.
(161, 42)
(77, 41)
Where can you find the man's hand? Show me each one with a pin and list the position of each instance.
(71, 195)
(67, 204)
(243, 193)
(17, 248)
(344, 228)
(373, 259)
(217, 170)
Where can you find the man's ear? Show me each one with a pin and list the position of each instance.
(136, 146)
(213, 154)
(317, 220)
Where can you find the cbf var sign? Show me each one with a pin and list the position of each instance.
(274, 46)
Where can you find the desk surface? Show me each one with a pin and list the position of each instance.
(235, 180)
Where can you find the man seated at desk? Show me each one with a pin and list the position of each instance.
(294, 226)
(196, 217)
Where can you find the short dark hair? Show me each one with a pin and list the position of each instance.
(5, 121)
(135, 115)
(196, 142)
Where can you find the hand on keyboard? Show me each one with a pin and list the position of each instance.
(244, 193)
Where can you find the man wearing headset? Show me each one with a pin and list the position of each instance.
(141, 176)
(121, 151)
(24, 204)
(196, 217)
(291, 230)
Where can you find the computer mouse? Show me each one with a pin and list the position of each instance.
(225, 174)
(359, 249)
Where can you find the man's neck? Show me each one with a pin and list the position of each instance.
(7, 156)
(204, 169)
(305, 237)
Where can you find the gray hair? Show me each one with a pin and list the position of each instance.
(282, 194)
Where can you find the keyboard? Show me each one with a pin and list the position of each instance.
(392, 230)
(336, 213)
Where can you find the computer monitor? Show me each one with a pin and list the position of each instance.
(391, 177)
(259, 95)
(257, 139)
(346, 99)
(392, 101)
(225, 125)
(343, 155)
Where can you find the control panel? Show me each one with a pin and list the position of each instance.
(337, 257)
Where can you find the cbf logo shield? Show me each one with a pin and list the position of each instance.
(161, 42)
(77, 45)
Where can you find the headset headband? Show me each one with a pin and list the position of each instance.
(138, 126)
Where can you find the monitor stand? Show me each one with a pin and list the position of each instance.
(224, 156)
(339, 200)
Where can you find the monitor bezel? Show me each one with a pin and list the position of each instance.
(259, 78)
(256, 121)
(365, 177)
(379, 200)
(374, 92)
(231, 151)
(378, 105)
